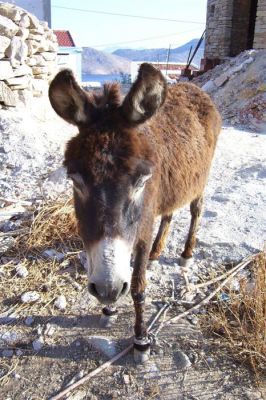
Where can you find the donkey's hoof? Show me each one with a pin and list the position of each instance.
(141, 357)
(141, 351)
(185, 262)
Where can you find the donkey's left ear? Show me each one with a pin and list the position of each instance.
(68, 99)
(146, 96)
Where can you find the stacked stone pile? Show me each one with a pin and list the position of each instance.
(28, 49)
(238, 88)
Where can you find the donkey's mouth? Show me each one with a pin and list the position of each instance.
(108, 295)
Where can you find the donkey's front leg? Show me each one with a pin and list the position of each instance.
(138, 285)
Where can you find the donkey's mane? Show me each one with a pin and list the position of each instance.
(110, 97)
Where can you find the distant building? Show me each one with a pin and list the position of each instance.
(171, 70)
(40, 8)
(232, 27)
(68, 56)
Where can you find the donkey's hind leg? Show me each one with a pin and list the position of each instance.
(161, 237)
(186, 256)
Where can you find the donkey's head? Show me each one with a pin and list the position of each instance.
(109, 164)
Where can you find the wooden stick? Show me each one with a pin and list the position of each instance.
(206, 299)
(14, 233)
(217, 278)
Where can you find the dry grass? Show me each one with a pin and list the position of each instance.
(241, 321)
(54, 227)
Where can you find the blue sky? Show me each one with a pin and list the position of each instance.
(104, 31)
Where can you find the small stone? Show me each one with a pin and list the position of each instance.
(9, 338)
(29, 321)
(209, 360)
(103, 345)
(50, 330)
(80, 395)
(53, 254)
(220, 80)
(209, 87)
(16, 376)
(19, 353)
(126, 379)
(30, 297)
(60, 302)
(7, 353)
(38, 344)
(182, 360)
(83, 259)
(22, 271)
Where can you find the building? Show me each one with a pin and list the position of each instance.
(232, 27)
(68, 56)
(171, 70)
(40, 8)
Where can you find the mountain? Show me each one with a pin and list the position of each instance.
(179, 54)
(99, 62)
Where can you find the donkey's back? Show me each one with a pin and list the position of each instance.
(184, 134)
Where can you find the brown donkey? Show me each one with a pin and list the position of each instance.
(133, 160)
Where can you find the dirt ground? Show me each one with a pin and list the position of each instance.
(212, 373)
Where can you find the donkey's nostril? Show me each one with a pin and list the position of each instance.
(124, 288)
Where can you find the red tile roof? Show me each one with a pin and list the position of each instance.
(64, 39)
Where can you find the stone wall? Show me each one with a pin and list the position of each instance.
(28, 52)
(218, 28)
(229, 27)
(260, 27)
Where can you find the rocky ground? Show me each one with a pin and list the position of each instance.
(238, 87)
(52, 334)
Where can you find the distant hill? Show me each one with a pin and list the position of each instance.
(179, 54)
(99, 62)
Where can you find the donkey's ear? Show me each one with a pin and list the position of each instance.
(68, 99)
(146, 95)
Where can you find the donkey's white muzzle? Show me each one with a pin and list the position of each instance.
(109, 269)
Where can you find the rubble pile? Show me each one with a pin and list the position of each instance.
(238, 87)
(28, 49)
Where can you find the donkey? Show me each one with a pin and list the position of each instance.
(133, 160)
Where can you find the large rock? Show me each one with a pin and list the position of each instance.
(23, 33)
(39, 70)
(7, 97)
(49, 56)
(22, 70)
(10, 11)
(4, 43)
(7, 27)
(35, 36)
(6, 71)
(17, 51)
(39, 87)
(22, 82)
(34, 22)
(25, 21)
(33, 46)
(40, 61)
